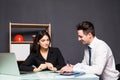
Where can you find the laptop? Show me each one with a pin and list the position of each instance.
(8, 64)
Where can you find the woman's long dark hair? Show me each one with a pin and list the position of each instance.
(35, 47)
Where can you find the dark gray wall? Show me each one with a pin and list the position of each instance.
(64, 15)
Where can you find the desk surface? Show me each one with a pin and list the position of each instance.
(48, 75)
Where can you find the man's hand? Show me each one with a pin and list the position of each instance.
(67, 68)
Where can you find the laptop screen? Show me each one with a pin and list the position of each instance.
(8, 64)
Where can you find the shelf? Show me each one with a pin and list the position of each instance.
(25, 42)
(22, 49)
(26, 25)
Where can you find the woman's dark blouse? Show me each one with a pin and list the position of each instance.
(54, 56)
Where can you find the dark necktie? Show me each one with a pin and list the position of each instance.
(89, 49)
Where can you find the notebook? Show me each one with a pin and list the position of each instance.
(8, 64)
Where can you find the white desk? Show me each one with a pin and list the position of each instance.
(48, 75)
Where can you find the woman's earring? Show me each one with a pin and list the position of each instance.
(38, 43)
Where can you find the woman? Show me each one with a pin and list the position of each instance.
(42, 56)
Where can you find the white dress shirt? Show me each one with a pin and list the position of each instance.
(102, 61)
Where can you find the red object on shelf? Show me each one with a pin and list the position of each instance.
(18, 38)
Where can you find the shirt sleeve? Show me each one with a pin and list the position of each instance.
(27, 65)
(98, 64)
(61, 61)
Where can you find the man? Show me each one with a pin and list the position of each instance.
(98, 57)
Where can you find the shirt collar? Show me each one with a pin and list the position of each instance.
(93, 42)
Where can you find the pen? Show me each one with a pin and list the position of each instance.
(68, 63)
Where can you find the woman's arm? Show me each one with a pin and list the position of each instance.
(60, 60)
(27, 65)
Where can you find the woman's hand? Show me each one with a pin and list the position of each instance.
(40, 68)
(36, 70)
(50, 66)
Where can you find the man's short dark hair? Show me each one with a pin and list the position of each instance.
(87, 27)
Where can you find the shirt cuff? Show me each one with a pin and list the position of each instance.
(77, 67)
